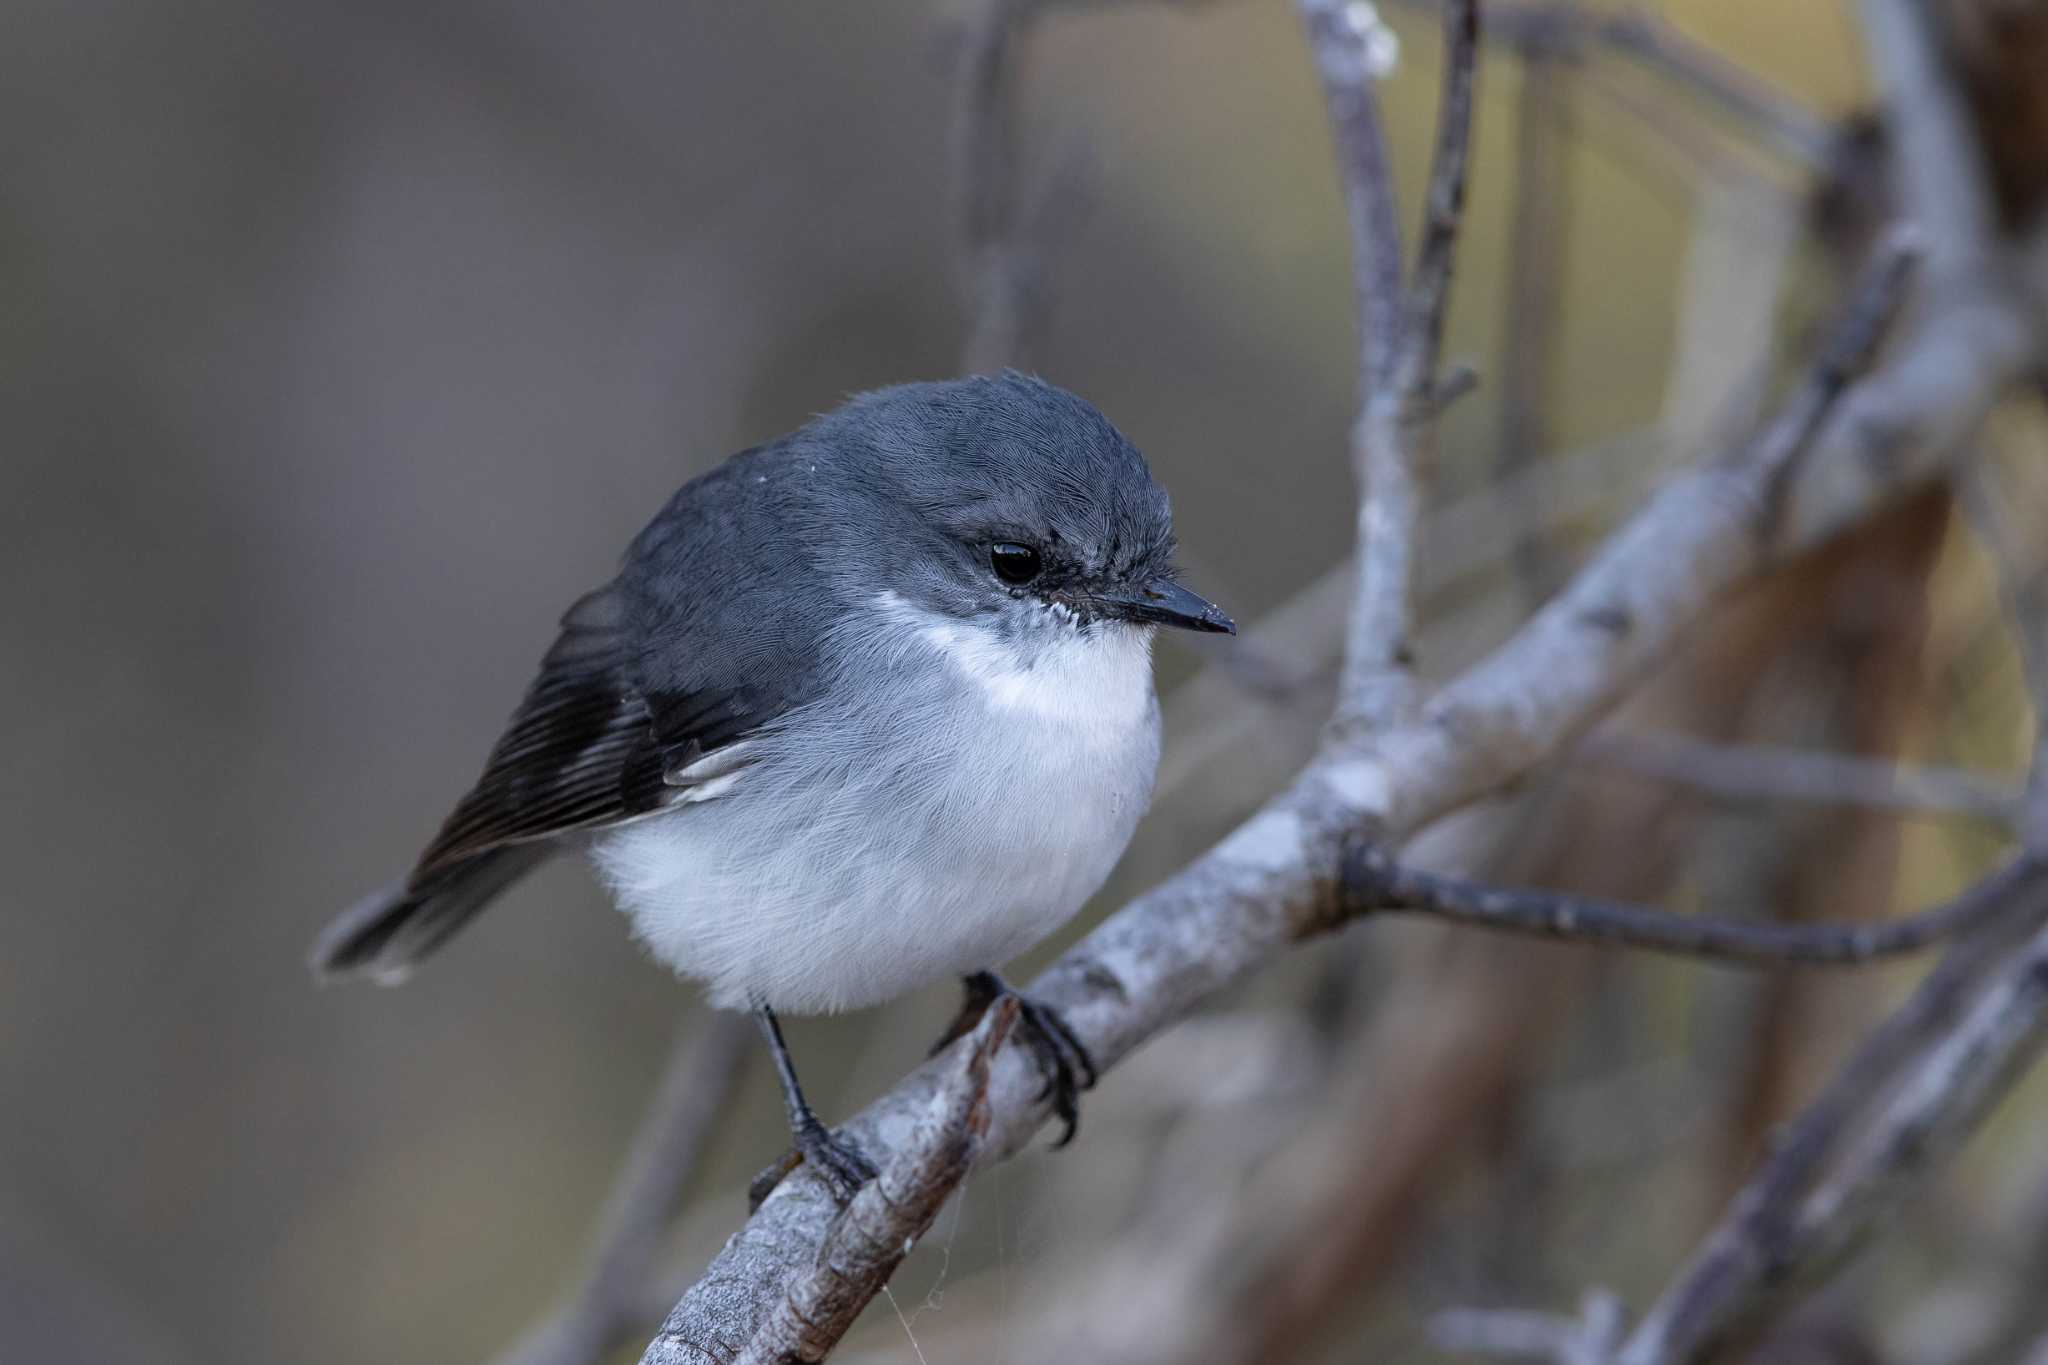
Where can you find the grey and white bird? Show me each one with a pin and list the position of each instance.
(866, 706)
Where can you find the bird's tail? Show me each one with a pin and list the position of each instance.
(383, 935)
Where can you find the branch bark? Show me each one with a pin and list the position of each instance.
(1393, 436)
(1838, 451)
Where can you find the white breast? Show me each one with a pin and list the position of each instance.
(946, 814)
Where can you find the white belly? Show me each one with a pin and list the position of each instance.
(853, 859)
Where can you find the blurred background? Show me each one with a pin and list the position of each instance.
(342, 345)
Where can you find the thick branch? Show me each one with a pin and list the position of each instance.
(861, 1246)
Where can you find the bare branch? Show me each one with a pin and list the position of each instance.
(863, 1245)
(1443, 209)
(1400, 337)
(1566, 31)
(1351, 52)
(1942, 176)
(606, 1308)
(1697, 537)
(1588, 1339)
(1824, 466)
(1749, 772)
(1535, 274)
(1787, 127)
(1757, 1243)
(1382, 885)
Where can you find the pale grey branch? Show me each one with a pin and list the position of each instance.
(861, 1245)
(1393, 441)
(1753, 772)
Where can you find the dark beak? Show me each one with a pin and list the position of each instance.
(1166, 604)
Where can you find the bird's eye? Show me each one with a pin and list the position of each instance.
(1015, 564)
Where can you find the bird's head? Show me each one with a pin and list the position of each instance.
(1010, 504)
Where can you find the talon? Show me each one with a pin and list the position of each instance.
(845, 1167)
(983, 990)
(842, 1164)
(1063, 1062)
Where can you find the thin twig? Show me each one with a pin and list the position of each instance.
(1535, 275)
(1751, 772)
(1400, 335)
(1382, 885)
(1351, 55)
(1755, 1245)
(1569, 31)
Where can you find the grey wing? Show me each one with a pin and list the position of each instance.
(581, 752)
(584, 749)
(643, 702)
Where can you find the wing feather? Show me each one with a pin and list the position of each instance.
(581, 752)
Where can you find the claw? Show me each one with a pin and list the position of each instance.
(843, 1165)
(1063, 1062)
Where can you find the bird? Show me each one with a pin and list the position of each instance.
(865, 707)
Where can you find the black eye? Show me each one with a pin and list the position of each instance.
(1014, 564)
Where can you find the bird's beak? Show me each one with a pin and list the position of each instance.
(1165, 603)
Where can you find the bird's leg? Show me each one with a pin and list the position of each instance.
(843, 1165)
(1062, 1060)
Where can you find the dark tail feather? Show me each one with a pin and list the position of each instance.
(382, 936)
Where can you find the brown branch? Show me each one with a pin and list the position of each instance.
(606, 1309)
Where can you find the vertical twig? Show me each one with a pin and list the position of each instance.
(1542, 196)
(1943, 179)
(1400, 334)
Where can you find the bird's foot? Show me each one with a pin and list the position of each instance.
(1062, 1060)
(842, 1163)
